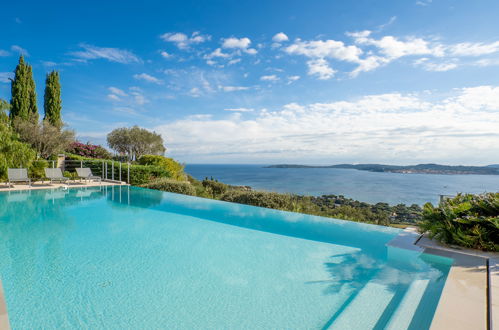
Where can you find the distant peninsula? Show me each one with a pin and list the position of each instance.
(420, 168)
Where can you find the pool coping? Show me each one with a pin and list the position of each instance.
(470, 297)
(39, 185)
(4, 317)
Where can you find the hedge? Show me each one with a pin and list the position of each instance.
(174, 186)
(139, 174)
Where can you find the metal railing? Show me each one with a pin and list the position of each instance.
(110, 170)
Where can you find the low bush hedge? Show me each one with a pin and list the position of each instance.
(173, 167)
(467, 220)
(270, 200)
(174, 186)
(139, 174)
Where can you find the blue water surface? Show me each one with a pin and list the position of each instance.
(131, 258)
(371, 187)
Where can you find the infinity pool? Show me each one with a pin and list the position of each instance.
(132, 258)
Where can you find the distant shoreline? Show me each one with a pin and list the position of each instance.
(410, 169)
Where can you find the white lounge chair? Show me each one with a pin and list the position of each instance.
(17, 175)
(55, 174)
(86, 174)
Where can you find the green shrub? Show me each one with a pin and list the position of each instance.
(139, 174)
(142, 174)
(260, 198)
(174, 168)
(179, 187)
(215, 188)
(37, 169)
(467, 220)
(13, 153)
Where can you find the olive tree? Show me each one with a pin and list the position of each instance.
(135, 142)
(44, 137)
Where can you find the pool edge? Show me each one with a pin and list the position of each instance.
(4, 317)
(471, 290)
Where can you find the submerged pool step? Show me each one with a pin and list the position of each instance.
(402, 317)
(361, 313)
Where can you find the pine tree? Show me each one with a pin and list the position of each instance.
(23, 101)
(52, 99)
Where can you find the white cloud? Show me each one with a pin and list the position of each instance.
(5, 76)
(165, 54)
(233, 88)
(195, 92)
(19, 50)
(271, 77)
(111, 54)
(473, 49)
(423, 3)
(148, 78)
(113, 97)
(217, 53)
(394, 48)
(183, 41)
(280, 37)
(401, 128)
(4, 53)
(117, 91)
(432, 66)
(239, 109)
(292, 79)
(325, 49)
(320, 68)
(240, 44)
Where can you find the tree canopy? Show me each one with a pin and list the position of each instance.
(52, 104)
(135, 142)
(23, 102)
(13, 153)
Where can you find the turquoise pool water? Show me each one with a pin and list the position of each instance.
(132, 258)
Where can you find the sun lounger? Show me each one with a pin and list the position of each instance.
(86, 174)
(55, 174)
(17, 175)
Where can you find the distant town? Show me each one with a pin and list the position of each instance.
(409, 169)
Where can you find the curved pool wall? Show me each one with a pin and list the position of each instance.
(127, 257)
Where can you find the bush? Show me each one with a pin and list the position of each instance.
(13, 153)
(467, 220)
(179, 187)
(215, 188)
(37, 169)
(174, 168)
(142, 174)
(270, 200)
(89, 150)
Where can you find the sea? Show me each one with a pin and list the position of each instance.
(371, 187)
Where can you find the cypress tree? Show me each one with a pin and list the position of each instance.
(23, 101)
(33, 108)
(52, 99)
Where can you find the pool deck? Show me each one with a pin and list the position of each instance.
(46, 185)
(4, 319)
(470, 297)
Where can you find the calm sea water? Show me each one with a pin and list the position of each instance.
(365, 186)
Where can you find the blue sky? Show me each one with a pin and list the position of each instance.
(272, 81)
